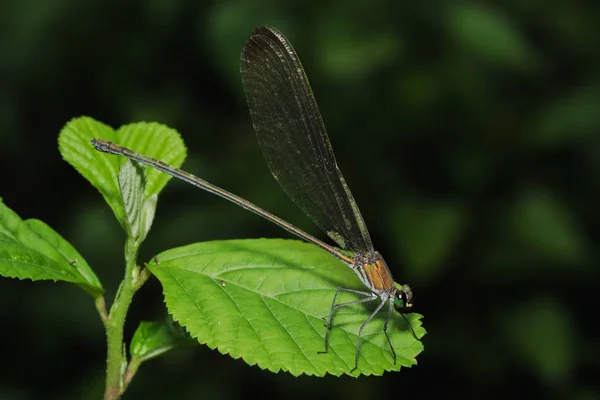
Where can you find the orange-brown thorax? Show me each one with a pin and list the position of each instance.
(379, 275)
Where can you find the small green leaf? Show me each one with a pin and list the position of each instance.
(152, 339)
(152, 139)
(348, 52)
(132, 183)
(32, 250)
(568, 118)
(147, 214)
(429, 233)
(544, 226)
(266, 301)
(486, 31)
(549, 347)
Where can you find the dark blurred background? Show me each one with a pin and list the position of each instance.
(468, 133)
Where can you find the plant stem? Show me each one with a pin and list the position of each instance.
(132, 368)
(101, 307)
(116, 359)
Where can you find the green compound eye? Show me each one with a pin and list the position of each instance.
(399, 301)
(403, 298)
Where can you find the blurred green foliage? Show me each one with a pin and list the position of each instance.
(467, 131)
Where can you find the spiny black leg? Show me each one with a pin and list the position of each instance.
(335, 307)
(391, 301)
(360, 333)
(409, 326)
(328, 324)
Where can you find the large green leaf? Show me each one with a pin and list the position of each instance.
(32, 250)
(266, 301)
(152, 139)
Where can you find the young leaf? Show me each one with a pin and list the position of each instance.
(266, 301)
(152, 139)
(132, 182)
(152, 339)
(147, 215)
(32, 250)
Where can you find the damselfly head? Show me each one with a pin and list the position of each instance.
(403, 299)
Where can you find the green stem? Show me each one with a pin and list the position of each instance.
(116, 359)
(134, 364)
(101, 307)
(144, 275)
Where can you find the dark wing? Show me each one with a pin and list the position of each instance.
(293, 138)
